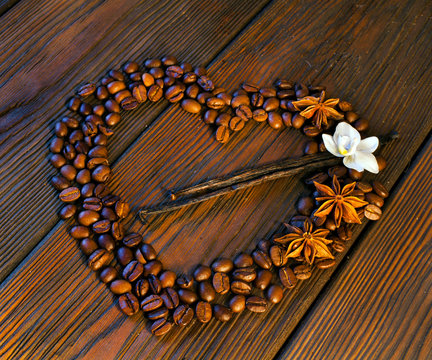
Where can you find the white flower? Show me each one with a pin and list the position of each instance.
(346, 142)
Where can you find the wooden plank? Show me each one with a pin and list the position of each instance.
(73, 315)
(51, 48)
(6, 5)
(379, 304)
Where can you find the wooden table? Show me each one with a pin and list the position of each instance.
(376, 304)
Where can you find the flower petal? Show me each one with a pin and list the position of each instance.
(367, 161)
(330, 145)
(369, 144)
(324, 189)
(350, 163)
(345, 129)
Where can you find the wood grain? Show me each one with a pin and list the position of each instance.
(53, 306)
(378, 305)
(62, 44)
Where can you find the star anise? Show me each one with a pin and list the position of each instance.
(306, 243)
(319, 109)
(339, 202)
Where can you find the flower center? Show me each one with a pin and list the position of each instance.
(344, 145)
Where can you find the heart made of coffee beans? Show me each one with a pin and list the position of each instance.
(130, 267)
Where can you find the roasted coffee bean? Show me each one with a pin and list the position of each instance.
(374, 199)
(169, 60)
(98, 152)
(223, 119)
(68, 171)
(155, 284)
(215, 103)
(161, 313)
(88, 217)
(161, 327)
(260, 115)
(200, 71)
(92, 203)
(287, 119)
(227, 98)
(106, 80)
(152, 63)
(222, 265)
(174, 93)
(190, 78)
(98, 259)
(262, 259)
(141, 287)
(130, 67)
(210, 116)
(301, 90)
(85, 109)
(74, 104)
(345, 106)
(222, 134)
(187, 296)
(382, 163)
(116, 75)
(95, 162)
(364, 186)
(154, 93)
(206, 291)
(274, 294)
(106, 242)
(132, 239)
(68, 211)
(109, 214)
(240, 100)
(190, 105)
(170, 298)
(277, 255)
(139, 92)
(263, 279)
(57, 160)
(149, 252)
(83, 177)
(351, 116)
(275, 120)
(372, 212)
(330, 224)
(325, 263)
(202, 273)
(70, 194)
(311, 131)
(102, 92)
(99, 110)
(69, 151)
(338, 171)
(305, 205)
(183, 315)
(203, 96)
(338, 246)
(111, 119)
(110, 200)
(222, 313)
(245, 274)
(129, 304)
(256, 304)
(185, 281)
(237, 303)
(249, 87)
(244, 112)
(133, 271)
(379, 189)
(311, 148)
(344, 233)
(168, 279)
(151, 302)
(268, 92)
(257, 100)
(302, 272)
(129, 103)
(88, 246)
(264, 245)
(355, 175)
(203, 311)
(243, 260)
(124, 255)
(152, 267)
(101, 226)
(140, 256)
(271, 104)
(101, 191)
(108, 274)
(298, 220)
(221, 283)
(60, 129)
(80, 161)
(205, 83)
(297, 121)
(284, 94)
(320, 178)
(287, 277)
(241, 287)
(70, 122)
(81, 147)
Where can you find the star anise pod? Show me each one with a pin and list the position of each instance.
(307, 243)
(319, 109)
(339, 202)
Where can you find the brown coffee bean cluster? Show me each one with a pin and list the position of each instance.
(130, 267)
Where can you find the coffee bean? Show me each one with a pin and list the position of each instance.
(237, 303)
(221, 283)
(153, 267)
(88, 217)
(74, 104)
(345, 106)
(287, 277)
(161, 327)
(240, 100)
(132, 239)
(263, 279)
(338, 171)
(379, 189)
(151, 302)
(222, 265)
(284, 94)
(85, 109)
(256, 304)
(223, 119)
(236, 124)
(271, 104)
(274, 294)
(183, 315)
(185, 281)
(133, 271)
(174, 93)
(154, 282)
(210, 116)
(170, 298)
(249, 87)
(302, 272)
(193, 91)
(191, 106)
(203, 96)
(215, 103)
(262, 259)
(344, 233)
(257, 100)
(124, 255)
(128, 304)
(330, 224)
(98, 152)
(305, 205)
(297, 121)
(227, 98)
(203, 311)
(92, 203)
(202, 273)
(277, 255)
(86, 90)
(168, 279)
(301, 90)
(325, 263)
(109, 214)
(243, 260)
(222, 313)
(222, 134)
(101, 226)
(372, 212)
(149, 252)
(161, 313)
(268, 92)
(374, 199)
(116, 75)
(154, 93)
(187, 296)
(259, 115)
(338, 246)
(98, 259)
(88, 246)
(245, 274)
(351, 116)
(106, 242)
(244, 112)
(79, 232)
(68, 172)
(108, 274)
(190, 78)
(364, 186)
(68, 211)
(206, 291)
(112, 119)
(57, 160)
(264, 245)
(241, 287)
(95, 162)
(70, 194)
(205, 83)
(117, 230)
(141, 287)
(355, 175)
(298, 220)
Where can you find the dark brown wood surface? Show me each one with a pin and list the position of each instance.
(375, 54)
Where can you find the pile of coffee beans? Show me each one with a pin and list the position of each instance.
(130, 267)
